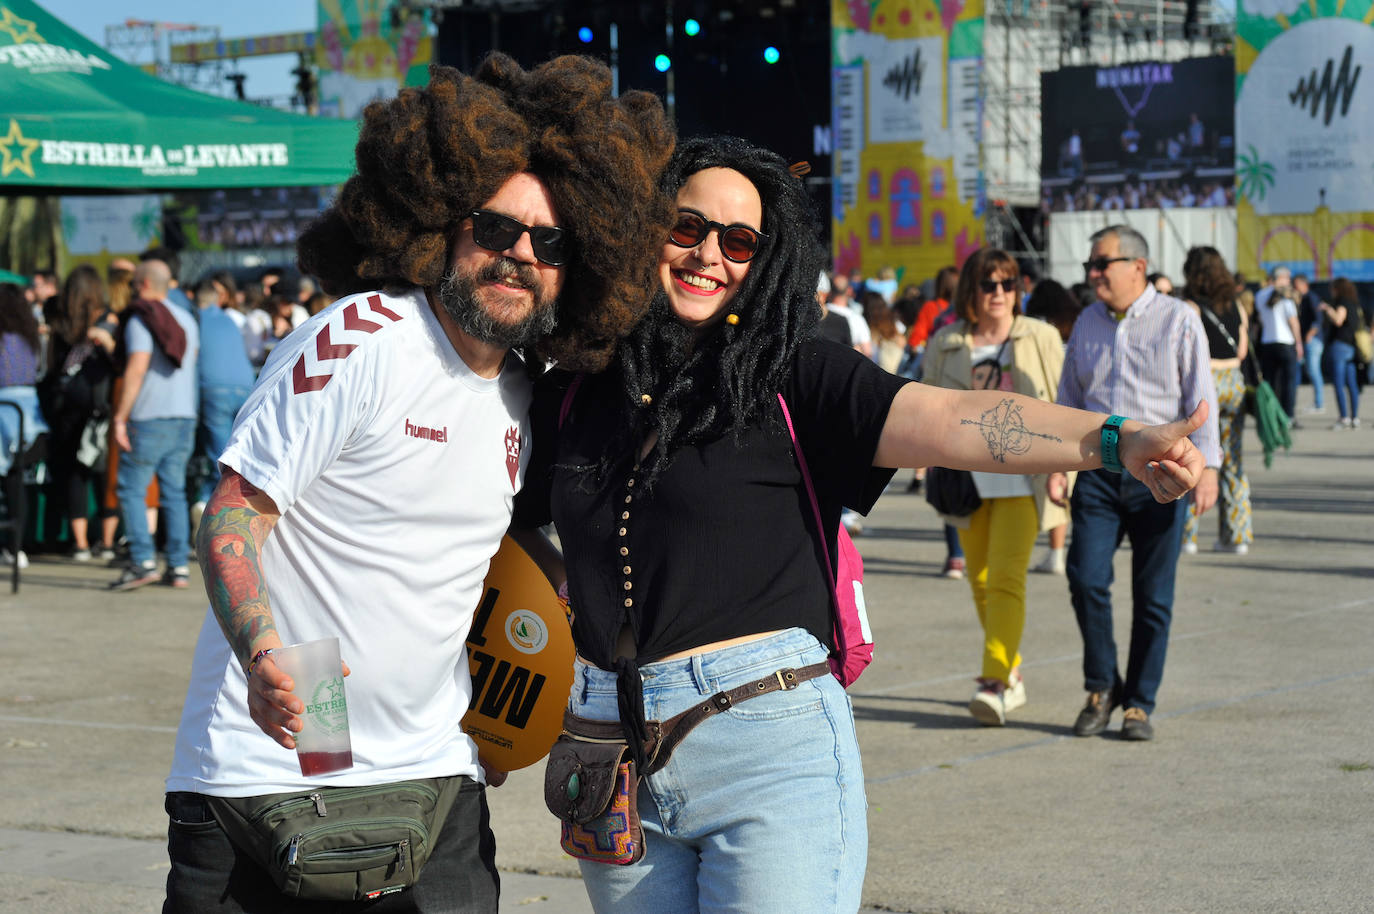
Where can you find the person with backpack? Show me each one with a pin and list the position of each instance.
(700, 576)
(75, 395)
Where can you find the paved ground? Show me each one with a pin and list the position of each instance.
(1257, 795)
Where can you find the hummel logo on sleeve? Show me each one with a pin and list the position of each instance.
(327, 350)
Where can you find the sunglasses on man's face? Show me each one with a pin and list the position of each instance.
(738, 242)
(989, 286)
(497, 232)
(1100, 264)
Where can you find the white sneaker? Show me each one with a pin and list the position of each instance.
(1052, 563)
(7, 557)
(81, 555)
(987, 705)
(1232, 548)
(1190, 548)
(1355, 423)
(1342, 425)
(1014, 695)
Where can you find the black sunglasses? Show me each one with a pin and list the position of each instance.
(990, 286)
(738, 242)
(497, 232)
(1100, 264)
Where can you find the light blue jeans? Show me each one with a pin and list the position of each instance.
(1312, 360)
(761, 809)
(162, 447)
(1345, 378)
(218, 407)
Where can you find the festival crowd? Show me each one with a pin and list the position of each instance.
(635, 343)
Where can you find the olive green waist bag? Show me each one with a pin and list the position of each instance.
(341, 843)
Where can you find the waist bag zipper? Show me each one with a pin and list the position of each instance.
(293, 852)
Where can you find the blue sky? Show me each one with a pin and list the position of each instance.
(235, 18)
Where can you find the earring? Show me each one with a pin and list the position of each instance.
(732, 319)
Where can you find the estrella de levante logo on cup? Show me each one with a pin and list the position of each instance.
(327, 708)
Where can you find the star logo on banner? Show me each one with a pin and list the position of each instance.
(21, 30)
(23, 160)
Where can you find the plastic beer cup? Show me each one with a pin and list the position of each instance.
(322, 745)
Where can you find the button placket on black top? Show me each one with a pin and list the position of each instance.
(624, 533)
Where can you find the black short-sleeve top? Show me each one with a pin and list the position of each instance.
(724, 545)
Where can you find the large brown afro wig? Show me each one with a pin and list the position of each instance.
(430, 156)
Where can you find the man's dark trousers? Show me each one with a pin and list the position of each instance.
(1106, 507)
(209, 874)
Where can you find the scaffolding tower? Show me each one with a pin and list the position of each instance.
(147, 45)
(1024, 38)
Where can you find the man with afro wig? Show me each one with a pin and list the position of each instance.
(371, 474)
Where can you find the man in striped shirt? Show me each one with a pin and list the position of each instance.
(1140, 354)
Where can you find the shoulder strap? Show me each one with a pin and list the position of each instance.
(811, 494)
(1216, 322)
(571, 392)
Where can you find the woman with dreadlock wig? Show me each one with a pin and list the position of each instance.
(694, 562)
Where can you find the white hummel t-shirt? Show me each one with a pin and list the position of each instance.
(394, 468)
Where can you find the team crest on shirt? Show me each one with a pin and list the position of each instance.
(513, 445)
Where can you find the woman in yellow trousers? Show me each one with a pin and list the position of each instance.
(993, 347)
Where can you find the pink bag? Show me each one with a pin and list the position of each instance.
(853, 636)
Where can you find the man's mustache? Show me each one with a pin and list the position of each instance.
(509, 273)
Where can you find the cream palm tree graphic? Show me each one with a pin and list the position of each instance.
(1256, 176)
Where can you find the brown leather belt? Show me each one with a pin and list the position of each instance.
(665, 735)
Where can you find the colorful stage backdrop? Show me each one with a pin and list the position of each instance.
(907, 124)
(366, 53)
(1304, 135)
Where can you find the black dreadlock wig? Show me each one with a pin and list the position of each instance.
(730, 379)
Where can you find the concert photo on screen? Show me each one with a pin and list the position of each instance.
(1141, 135)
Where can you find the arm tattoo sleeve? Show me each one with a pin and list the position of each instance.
(229, 547)
(1005, 431)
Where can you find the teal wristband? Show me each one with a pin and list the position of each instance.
(1111, 437)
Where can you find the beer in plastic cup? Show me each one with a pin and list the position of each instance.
(322, 745)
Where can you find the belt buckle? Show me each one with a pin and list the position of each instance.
(787, 679)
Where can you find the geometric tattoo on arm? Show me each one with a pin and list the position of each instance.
(1005, 431)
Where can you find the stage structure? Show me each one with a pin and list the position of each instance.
(1005, 47)
(1024, 39)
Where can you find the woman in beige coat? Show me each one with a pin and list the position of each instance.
(993, 347)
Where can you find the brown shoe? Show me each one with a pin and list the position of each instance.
(1136, 726)
(1093, 719)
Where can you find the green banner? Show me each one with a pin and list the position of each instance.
(74, 116)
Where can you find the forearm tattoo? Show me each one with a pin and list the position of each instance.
(229, 547)
(1005, 430)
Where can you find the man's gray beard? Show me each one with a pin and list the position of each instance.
(457, 295)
